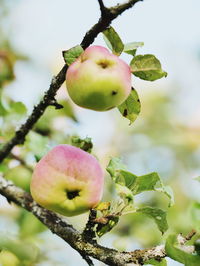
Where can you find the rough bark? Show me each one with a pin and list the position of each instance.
(77, 240)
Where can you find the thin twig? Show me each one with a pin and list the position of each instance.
(102, 7)
(87, 259)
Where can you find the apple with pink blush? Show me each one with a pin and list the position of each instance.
(67, 180)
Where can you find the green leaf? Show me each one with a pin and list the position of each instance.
(115, 165)
(131, 48)
(151, 182)
(176, 251)
(146, 183)
(127, 179)
(72, 54)
(131, 107)
(84, 144)
(158, 215)
(137, 184)
(163, 262)
(24, 250)
(18, 108)
(147, 67)
(113, 41)
(127, 185)
(122, 178)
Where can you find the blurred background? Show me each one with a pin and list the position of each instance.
(165, 137)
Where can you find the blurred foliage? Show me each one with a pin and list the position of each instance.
(20, 176)
(29, 225)
(8, 258)
(161, 140)
(24, 250)
(19, 250)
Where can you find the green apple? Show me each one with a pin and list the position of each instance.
(20, 176)
(98, 79)
(67, 180)
(8, 259)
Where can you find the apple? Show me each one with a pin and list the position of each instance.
(98, 79)
(8, 258)
(20, 176)
(67, 180)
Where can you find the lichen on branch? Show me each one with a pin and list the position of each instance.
(85, 246)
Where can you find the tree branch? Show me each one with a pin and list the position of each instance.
(75, 239)
(48, 99)
(102, 7)
(56, 82)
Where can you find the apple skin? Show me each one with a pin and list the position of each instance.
(8, 258)
(67, 180)
(98, 80)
